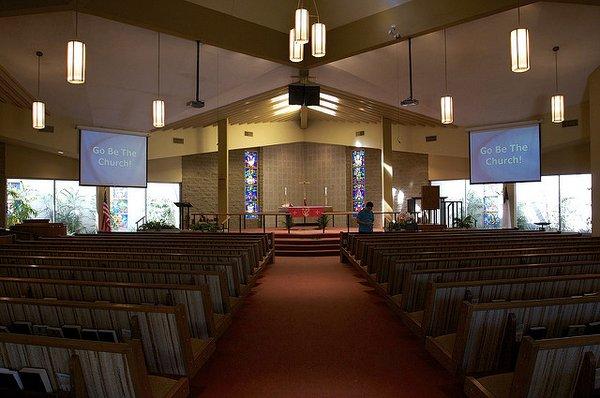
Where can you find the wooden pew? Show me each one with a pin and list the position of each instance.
(226, 264)
(545, 368)
(552, 256)
(108, 370)
(415, 281)
(194, 298)
(484, 335)
(212, 279)
(443, 302)
(163, 330)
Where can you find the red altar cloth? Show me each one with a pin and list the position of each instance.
(307, 211)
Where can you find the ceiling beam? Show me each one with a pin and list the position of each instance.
(174, 17)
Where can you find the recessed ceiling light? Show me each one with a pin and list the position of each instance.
(279, 98)
(287, 109)
(61, 153)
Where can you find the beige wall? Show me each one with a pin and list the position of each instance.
(23, 162)
(165, 169)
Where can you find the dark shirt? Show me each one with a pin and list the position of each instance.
(365, 216)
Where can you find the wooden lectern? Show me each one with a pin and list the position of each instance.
(184, 214)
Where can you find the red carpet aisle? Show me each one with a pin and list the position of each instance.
(312, 329)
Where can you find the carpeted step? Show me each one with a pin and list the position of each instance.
(307, 242)
(307, 253)
(314, 247)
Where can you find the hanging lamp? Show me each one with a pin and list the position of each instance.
(296, 49)
(557, 101)
(519, 46)
(158, 105)
(318, 36)
(76, 57)
(38, 108)
(302, 19)
(446, 103)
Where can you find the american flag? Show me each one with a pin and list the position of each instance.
(105, 227)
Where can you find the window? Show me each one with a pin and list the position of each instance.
(160, 199)
(76, 207)
(481, 201)
(358, 179)
(127, 208)
(29, 199)
(538, 202)
(485, 204)
(251, 183)
(576, 202)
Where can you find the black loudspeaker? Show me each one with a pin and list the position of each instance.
(300, 94)
(296, 94)
(312, 95)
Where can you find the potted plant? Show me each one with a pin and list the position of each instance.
(323, 221)
(466, 222)
(156, 226)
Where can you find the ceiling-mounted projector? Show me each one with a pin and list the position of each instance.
(197, 103)
(410, 101)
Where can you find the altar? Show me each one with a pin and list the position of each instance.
(305, 211)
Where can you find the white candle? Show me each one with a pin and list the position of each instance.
(285, 191)
(325, 191)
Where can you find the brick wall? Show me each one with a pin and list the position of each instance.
(286, 165)
(199, 182)
(410, 173)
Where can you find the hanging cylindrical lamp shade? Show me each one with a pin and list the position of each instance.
(38, 113)
(301, 26)
(447, 110)
(519, 50)
(76, 62)
(158, 113)
(558, 108)
(296, 49)
(318, 39)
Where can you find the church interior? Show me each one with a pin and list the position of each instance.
(277, 198)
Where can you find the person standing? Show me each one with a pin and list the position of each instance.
(365, 219)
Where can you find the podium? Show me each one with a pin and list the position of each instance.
(184, 214)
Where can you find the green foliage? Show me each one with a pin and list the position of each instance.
(466, 222)
(405, 222)
(204, 226)
(162, 210)
(18, 208)
(70, 210)
(323, 221)
(288, 222)
(156, 226)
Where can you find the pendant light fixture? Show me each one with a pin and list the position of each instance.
(557, 101)
(76, 57)
(302, 19)
(158, 105)
(519, 46)
(299, 35)
(446, 103)
(296, 49)
(38, 108)
(318, 36)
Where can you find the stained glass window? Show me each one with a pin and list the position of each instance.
(251, 183)
(358, 179)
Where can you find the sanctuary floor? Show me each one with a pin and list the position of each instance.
(313, 328)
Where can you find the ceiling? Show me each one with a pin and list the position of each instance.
(279, 15)
(121, 79)
(485, 91)
(122, 70)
